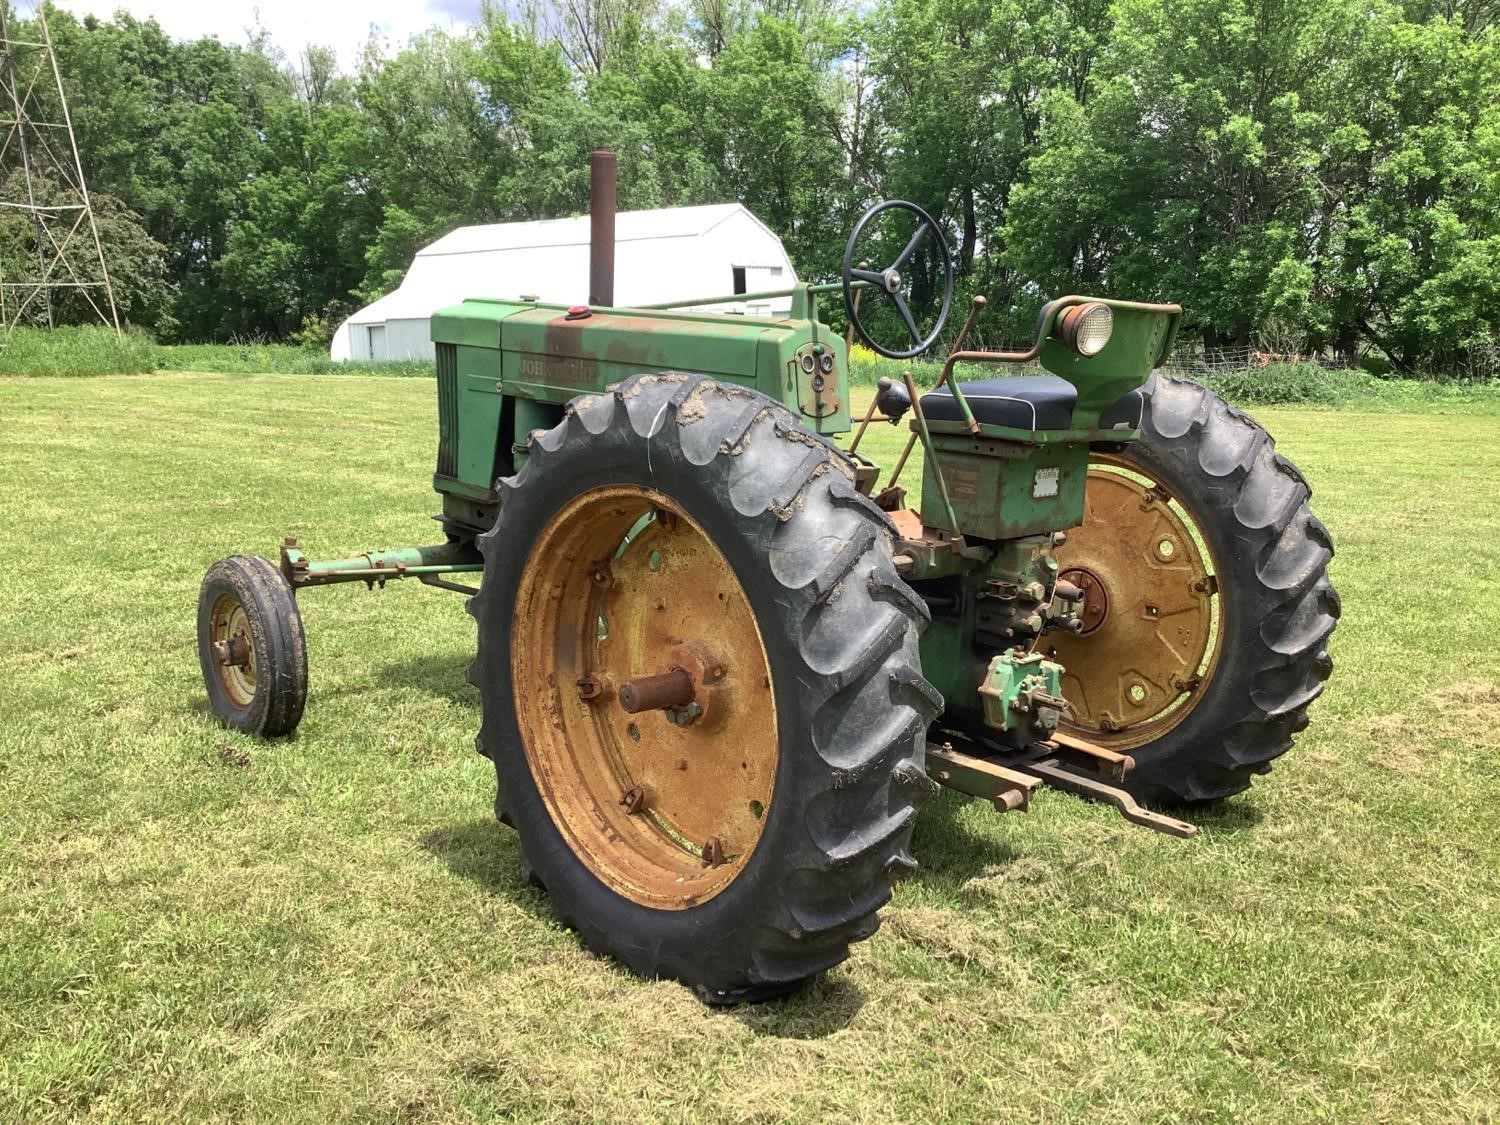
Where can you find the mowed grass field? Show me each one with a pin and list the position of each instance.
(194, 925)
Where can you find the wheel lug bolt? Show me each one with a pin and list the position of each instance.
(633, 799)
(588, 688)
(713, 852)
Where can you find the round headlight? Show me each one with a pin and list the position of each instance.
(1086, 328)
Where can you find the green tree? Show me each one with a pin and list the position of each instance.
(134, 260)
(960, 104)
(307, 215)
(1410, 232)
(449, 121)
(1191, 172)
(768, 132)
(1320, 168)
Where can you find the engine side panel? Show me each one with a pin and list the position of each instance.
(523, 361)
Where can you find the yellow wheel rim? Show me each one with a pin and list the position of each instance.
(228, 625)
(1151, 639)
(621, 584)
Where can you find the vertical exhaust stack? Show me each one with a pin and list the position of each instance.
(602, 227)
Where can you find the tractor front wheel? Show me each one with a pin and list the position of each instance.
(701, 686)
(251, 647)
(1206, 601)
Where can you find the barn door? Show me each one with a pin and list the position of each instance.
(758, 279)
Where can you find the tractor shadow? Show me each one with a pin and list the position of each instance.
(1225, 819)
(827, 1005)
(949, 852)
(443, 676)
(488, 855)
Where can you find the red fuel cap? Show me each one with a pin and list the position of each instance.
(578, 312)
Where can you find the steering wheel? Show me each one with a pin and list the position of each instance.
(889, 282)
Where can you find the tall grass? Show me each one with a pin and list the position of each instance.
(277, 359)
(83, 350)
(95, 350)
(1307, 384)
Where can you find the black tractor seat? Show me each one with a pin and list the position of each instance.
(1028, 402)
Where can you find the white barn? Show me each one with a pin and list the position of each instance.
(662, 255)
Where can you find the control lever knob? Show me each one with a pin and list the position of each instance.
(891, 398)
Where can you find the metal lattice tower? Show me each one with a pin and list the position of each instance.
(43, 197)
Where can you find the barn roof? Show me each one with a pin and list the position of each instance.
(630, 226)
(548, 257)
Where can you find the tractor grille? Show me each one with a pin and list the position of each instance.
(447, 387)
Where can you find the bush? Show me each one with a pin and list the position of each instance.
(80, 350)
(316, 333)
(1304, 384)
(1307, 384)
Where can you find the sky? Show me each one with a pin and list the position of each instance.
(343, 25)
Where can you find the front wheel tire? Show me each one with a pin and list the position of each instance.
(251, 647)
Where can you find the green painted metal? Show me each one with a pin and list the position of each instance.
(997, 482)
(528, 417)
(380, 566)
(992, 497)
(1141, 338)
(979, 777)
(507, 367)
(992, 500)
(999, 489)
(937, 500)
(983, 599)
(1022, 697)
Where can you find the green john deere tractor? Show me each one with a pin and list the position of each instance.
(722, 663)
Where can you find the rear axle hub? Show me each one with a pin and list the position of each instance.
(671, 690)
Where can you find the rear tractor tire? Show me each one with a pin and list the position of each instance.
(701, 687)
(251, 647)
(1207, 607)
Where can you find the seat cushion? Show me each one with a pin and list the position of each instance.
(1029, 402)
(1025, 402)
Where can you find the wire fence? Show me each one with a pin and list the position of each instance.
(1222, 361)
(1480, 363)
